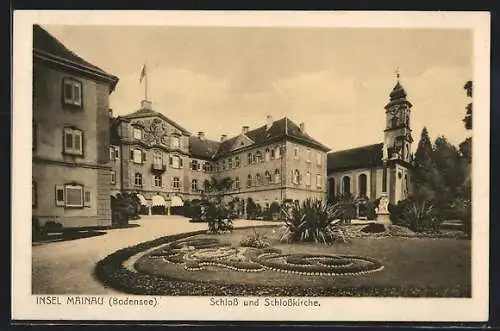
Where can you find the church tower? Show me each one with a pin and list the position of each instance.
(397, 133)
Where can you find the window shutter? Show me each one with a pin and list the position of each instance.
(60, 195)
(86, 200)
(77, 100)
(111, 154)
(180, 162)
(131, 154)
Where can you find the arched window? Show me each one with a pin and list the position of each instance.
(277, 176)
(250, 158)
(267, 155)
(258, 179)
(296, 177)
(394, 122)
(249, 181)
(273, 154)
(331, 188)
(237, 162)
(362, 185)
(138, 179)
(346, 185)
(269, 178)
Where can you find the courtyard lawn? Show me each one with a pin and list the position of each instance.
(411, 267)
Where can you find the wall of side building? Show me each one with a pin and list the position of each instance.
(53, 168)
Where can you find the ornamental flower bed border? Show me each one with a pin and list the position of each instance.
(112, 273)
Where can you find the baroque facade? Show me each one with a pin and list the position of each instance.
(165, 165)
(70, 172)
(382, 169)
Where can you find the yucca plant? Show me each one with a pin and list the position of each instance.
(311, 220)
(420, 216)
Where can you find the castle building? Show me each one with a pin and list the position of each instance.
(71, 169)
(165, 165)
(385, 168)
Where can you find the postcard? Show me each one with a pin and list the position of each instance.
(247, 165)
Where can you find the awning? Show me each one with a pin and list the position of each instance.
(158, 200)
(176, 201)
(142, 200)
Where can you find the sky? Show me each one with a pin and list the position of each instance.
(335, 80)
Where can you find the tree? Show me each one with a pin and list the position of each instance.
(427, 176)
(468, 115)
(217, 187)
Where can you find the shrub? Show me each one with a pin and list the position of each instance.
(257, 240)
(252, 209)
(371, 207)
(374, 228)
(124, 207)
(312, 221)
(419, 216)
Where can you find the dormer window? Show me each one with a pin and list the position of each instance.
(72, 92)
(137, 133)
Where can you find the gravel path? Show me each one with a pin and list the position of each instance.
(67, 267)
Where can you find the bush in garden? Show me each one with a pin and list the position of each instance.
(420, 216)
(275, 209)
(252, 209)
(256, 240)
(123, 208)
(371, 207)
(219, 217)
(311, 220)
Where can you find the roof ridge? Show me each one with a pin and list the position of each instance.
(355, 148)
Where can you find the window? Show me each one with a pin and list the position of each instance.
(138, 179)
(175, 142)
(250, 158)
(394, 122)
(157, 160)
(331, 188)
(70, 195)
(254, 158)
(296, 153)
(319, 159)
(346, 185)
(268, 155)
(237, 183)
(176, 183)
(207, 167)
(194, 165)
(308, 178)
(278, 152)
(72, 92)
(319, 181)
(113, 177)
(175, 162)
(249, 181)
(114, 153)
(194, 185)
(308, 155)
(296, 177)
(137, 133)
(230, 163)
(269, 178)
(258, 157)
(137, 156)
(277, 176)
(362, 185)
(157, 180)
(258, 180)
(273, 154)
(34, 194)
(237, 162)
(73, 141)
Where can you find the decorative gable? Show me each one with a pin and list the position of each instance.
(241, 141)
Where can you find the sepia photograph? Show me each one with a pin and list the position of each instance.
(252, 167)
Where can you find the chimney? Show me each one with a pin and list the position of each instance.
(223, 137)
(146, 104)
(269, 121)
(302, 127)
(110, 113)
(245, 129)
(201, 135)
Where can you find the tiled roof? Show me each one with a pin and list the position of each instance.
(46, 44)
(202, 148)
(280, 129)
(360, 157)
(149, 112)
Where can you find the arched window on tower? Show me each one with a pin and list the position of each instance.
(394, 122)
(346, 185)
(331, 188)
(362, 185)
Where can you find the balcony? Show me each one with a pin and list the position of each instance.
(158, 168)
